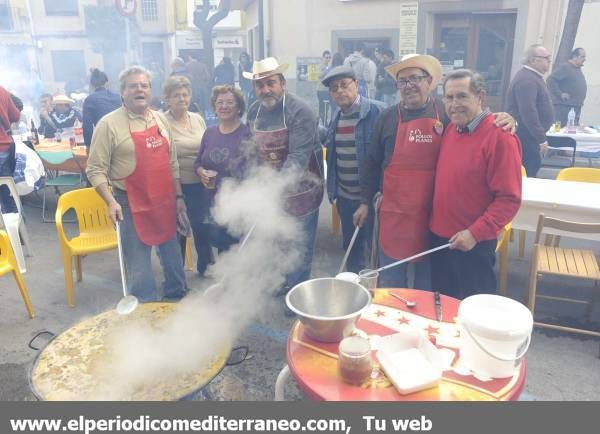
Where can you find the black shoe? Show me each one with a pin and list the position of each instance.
(176, 296)
(282, 290)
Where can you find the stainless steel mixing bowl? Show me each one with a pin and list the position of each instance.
(328, 307)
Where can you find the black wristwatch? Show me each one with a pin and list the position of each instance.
(180, 196)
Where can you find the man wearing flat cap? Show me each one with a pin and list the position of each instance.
(348, 138)
(401, 164)
(285, 130)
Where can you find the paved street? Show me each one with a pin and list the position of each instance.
(559, 366)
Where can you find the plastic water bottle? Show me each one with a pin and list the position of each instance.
(571, 128)
(78, 128)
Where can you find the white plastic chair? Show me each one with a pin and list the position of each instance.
(14, 224)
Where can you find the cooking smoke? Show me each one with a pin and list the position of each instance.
(206, 323)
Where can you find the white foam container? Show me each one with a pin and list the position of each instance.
(410, 361)
(495, 333)
(348, 276)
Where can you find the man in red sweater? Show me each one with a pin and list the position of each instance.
(477, 189)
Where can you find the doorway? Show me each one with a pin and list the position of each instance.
(483, 42)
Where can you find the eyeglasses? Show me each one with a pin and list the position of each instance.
(342, 85)
(413, 79)
(225, 103)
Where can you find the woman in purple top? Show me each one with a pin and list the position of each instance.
(221, 156)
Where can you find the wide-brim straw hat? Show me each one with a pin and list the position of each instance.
(62, 99)
(265, 68)
(423, 61)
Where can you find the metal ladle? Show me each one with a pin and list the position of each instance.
(350, 245)
(129, 302)
(219, 284)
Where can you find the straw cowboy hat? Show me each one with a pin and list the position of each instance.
(62, 99)
(265, 68)
(423, 61)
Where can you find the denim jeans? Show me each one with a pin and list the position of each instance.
(7, 203)
(306, 245)
(360, 253)
(193, 195)
(397, 277)
(138, 265)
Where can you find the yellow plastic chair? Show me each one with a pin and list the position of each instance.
(335, 217)
(8, 262)
(581, 174)
(502, 250)
(96, 232)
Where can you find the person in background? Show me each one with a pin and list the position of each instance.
(322, 92)
(225, 72)
(285, 130)
(477, 189)
(360, 64)
(178, 67)
(100, 102)
(132, 152)
(337, 60)
(348, 138)
(245, 65)
(44, 109)
(199, 76)
(385, 83)
(63, 115)
(371, 71)
(9, 113)
(220, 156)
(567, 87)
(187, 130)
(529, 102)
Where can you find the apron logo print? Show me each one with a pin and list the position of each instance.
(153, 142)
(417, 136)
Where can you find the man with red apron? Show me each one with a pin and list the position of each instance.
(285, 131)
(131, 150)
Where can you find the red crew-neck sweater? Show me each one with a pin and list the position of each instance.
(477, 181)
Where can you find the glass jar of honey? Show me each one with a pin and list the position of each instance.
(354, 361)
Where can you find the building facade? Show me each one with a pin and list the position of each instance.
(488, 35)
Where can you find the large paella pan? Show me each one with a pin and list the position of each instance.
(72, 365)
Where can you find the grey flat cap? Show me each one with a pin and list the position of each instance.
(338, 72)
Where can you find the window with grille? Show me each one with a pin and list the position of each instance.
(149, 10)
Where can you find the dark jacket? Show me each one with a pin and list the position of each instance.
(569, 79)
(95, 106)
(369, 112)
(528, 101)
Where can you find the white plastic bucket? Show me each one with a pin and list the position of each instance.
(495, 333)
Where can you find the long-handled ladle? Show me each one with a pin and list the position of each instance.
(350, 245)
(129, 302)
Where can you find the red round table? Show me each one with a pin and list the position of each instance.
(313, 364)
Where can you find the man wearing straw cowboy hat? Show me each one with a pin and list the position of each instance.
(401, 164)
(286, 134)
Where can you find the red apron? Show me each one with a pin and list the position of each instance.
(151, 188)
(408, 183)
(273, 147)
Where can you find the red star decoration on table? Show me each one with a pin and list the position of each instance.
(403, 320)
(432, 330)
(379, 313)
